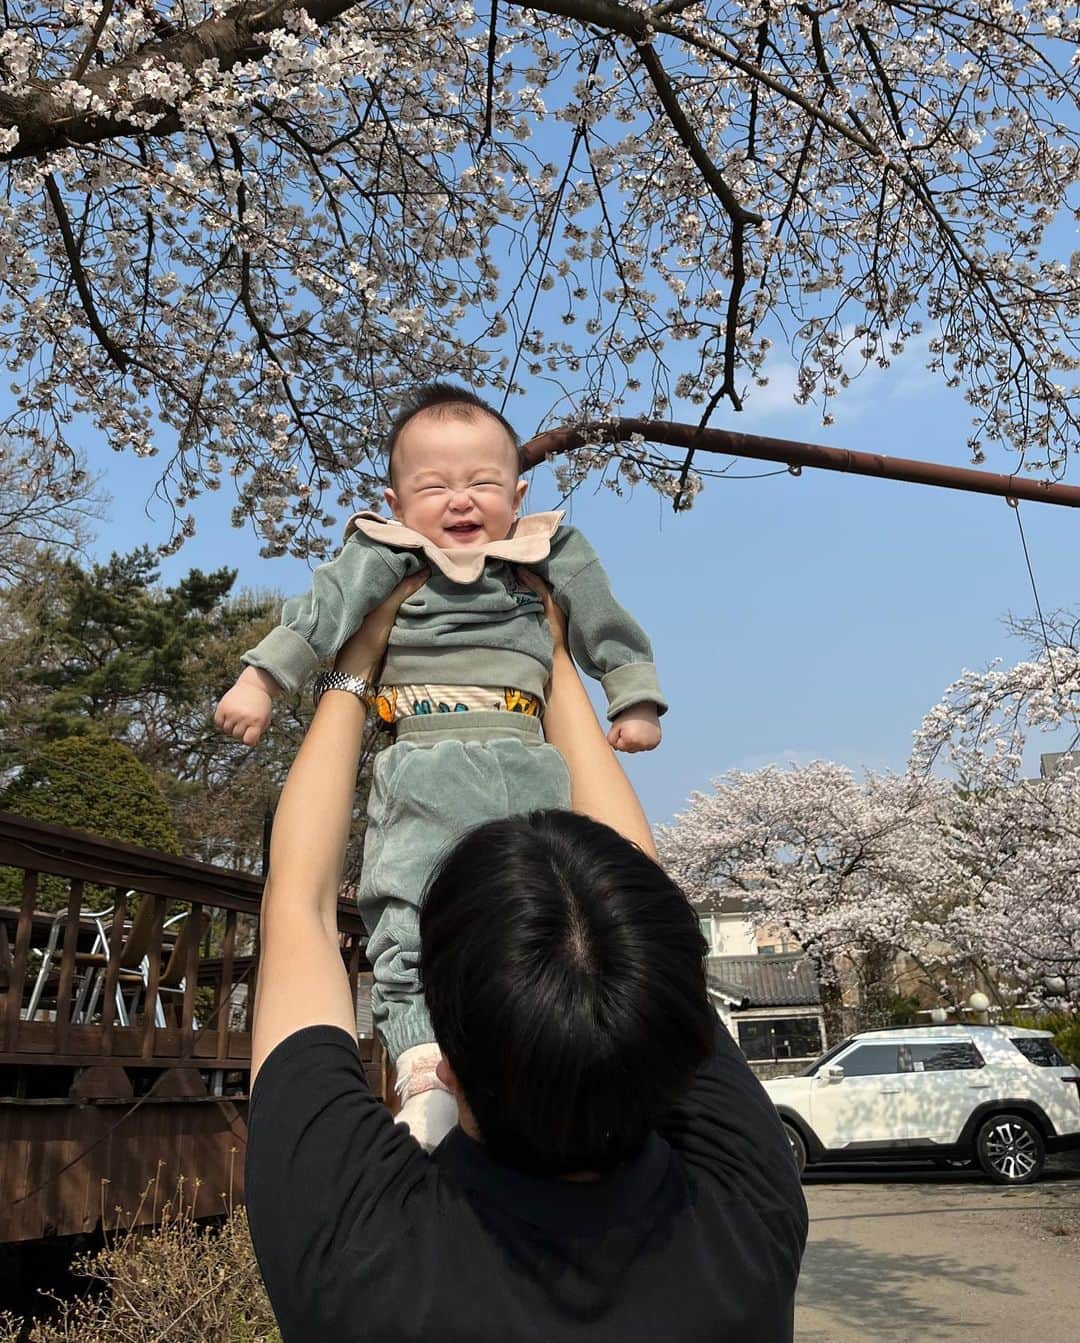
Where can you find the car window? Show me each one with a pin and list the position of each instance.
(870, 1060)
(941, 1056)
(1040, 1051)
(823, 1059)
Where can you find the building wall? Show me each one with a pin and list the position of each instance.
(735, 935)
(728, 934)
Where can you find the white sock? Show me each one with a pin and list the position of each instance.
(428, 1109)
(429, 1117)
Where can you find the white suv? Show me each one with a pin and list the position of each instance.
(998, 1095)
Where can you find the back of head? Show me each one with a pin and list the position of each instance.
(565, 977)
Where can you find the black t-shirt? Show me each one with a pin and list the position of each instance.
(361, 1236)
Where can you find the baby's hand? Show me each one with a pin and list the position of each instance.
(244, 711)
(636, 729)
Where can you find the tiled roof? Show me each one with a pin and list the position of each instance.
(764, 981)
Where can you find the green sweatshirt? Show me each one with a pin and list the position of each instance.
(473, 622)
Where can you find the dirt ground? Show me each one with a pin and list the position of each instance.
(926, 1256)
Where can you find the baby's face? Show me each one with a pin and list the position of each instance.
(456, 481)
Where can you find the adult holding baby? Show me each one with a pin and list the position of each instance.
(618, 1173)
(463, 682)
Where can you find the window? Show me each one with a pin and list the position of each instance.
(780, 1038)
(943, 1056)
(871, 1061)
(1040, 1051)
(705, 924)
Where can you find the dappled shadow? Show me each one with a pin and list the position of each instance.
(882, 1294)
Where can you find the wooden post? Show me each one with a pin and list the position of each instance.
(18, 967)
(67, 966)
(112, 971)
(151, 998)
(225, 985)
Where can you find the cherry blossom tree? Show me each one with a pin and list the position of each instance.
(232, 232)
(838, 860)
(55, 508)
(1008, 866)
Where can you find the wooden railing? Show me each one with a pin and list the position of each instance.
(162, 977)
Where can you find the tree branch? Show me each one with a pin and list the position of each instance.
(493, 40)
(119, 357)
(736, 212)
(46, 119)
(95, 38)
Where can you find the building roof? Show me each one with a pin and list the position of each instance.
(764, 981)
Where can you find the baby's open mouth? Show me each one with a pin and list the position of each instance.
(465, 529)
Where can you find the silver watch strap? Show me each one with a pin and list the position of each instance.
(335, 680)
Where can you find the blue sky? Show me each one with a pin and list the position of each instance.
(792, 618)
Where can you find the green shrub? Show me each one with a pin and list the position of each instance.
(901, 1009)
(1065, 1025)
(88, 783)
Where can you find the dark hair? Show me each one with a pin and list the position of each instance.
(445, 400)
(565, 977)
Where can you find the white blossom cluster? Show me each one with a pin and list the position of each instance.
(837, 860)
(239, 230)
(972, 871)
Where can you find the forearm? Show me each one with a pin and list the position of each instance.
(314, 813)
(599, 787)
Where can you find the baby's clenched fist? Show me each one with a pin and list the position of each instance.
(244, 711)
(636, 729)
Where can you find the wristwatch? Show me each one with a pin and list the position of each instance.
(335, 680)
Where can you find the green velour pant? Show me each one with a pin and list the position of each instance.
(445, 774)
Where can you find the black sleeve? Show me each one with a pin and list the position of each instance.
(727, 1128)
(323, 1158)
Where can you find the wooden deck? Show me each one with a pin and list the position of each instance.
(125, 1022)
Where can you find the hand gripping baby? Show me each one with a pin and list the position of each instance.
(463, 682)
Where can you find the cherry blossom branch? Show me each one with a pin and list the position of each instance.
(119, 357)
(737, 213)
(489, 101)
(46, 119)
(92, 44)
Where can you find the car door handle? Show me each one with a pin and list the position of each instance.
(979, 1086)
(889, 1091)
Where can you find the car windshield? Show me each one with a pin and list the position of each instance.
(811, 1068)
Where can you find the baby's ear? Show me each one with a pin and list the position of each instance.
(392, 503)
(519, 492)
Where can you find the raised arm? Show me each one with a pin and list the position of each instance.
(599, 787)
(302, 979)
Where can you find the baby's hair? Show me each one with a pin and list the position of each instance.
(445, 401)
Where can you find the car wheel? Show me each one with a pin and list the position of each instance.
(798, 1145)
(1011, 1149)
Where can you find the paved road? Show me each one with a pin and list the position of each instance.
(922, 1257)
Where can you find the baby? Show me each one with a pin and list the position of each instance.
(463, 682)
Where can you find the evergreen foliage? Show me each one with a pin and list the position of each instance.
(89, 783)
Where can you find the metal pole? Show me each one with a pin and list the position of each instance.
(797, 455)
